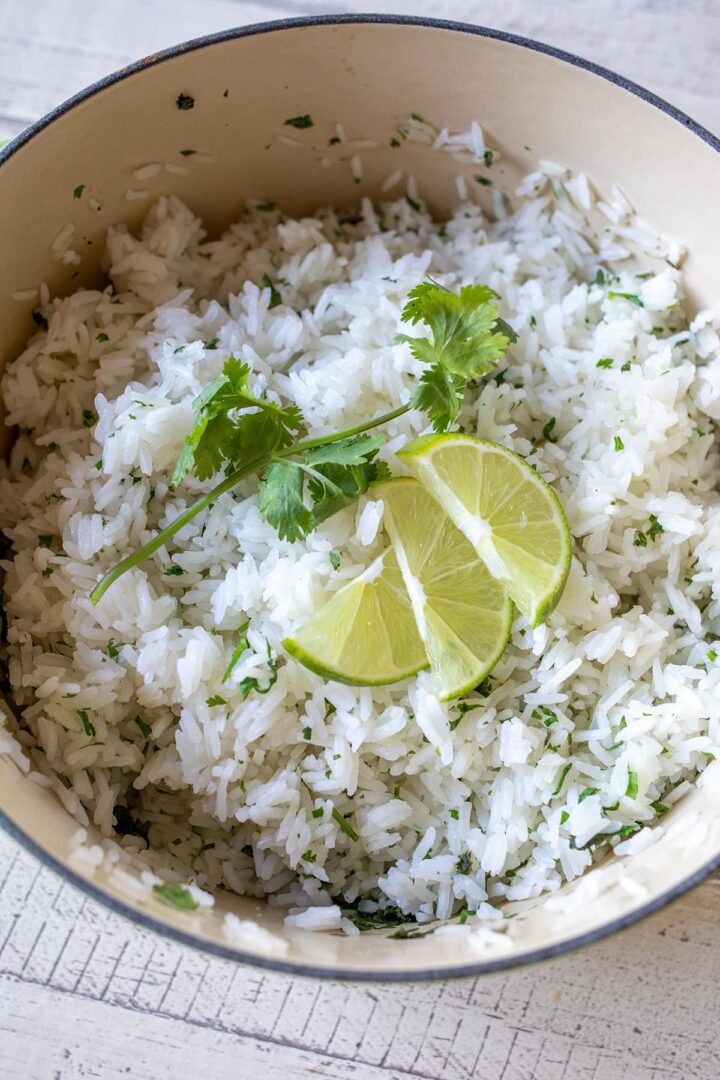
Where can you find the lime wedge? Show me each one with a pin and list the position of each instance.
(463, 615)
(511, 517)
(366, 634)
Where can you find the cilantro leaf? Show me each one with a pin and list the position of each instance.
(465, 337)
(354, 451)
(440, 395)
(280, 500)
(217, 436)
(336, 486)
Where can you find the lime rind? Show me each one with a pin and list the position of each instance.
(535, 584)
(463, 615)
(365, 635)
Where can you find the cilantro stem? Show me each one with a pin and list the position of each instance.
(348, 433)
(222, 488)
(174, 527)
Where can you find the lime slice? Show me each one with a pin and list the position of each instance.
(508, 513)
(463, 614)
(366, 634)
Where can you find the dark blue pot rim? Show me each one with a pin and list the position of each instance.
(149, 922)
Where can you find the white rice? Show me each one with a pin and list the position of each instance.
(591, 723)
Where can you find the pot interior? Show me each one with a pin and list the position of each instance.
(368, 75)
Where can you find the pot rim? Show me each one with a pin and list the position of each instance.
(227, 952)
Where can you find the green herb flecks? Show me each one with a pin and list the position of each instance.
(549, 431)
(77, 191)
(631, 297)
(177, 896)
(275, 297)
(185, 102)
(632, 785)
(654, 528)
(303, 483)
(88, 726)
(382, 919)
(561, 781)
(344, 824)
(300, 122)
(242, 646)
(144, 729)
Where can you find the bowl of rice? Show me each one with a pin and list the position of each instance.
(269, 197)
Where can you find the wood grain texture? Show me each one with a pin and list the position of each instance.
(85, 994)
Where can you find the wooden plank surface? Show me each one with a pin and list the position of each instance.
(85, 994)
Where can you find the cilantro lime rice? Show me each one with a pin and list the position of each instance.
(169, 719)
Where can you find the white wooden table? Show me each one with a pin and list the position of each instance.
(85, 994)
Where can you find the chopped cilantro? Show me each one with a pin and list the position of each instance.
(335, 560)
(659, 807)
(89, 418)
(549, 430)
(618, 443)
(185, 102)
(454, 814)
(173, 571)
(654, 528)
(587, 793)
(275, 297)
(212, 343)
(175, 895)
(464, 863)
(413, 203)
(300, 122)
(605, 362)
(631, 297)
(101, 337)
(344, 825)
(145, 729)
(640, 539)
(215, 700)
(484, 180)
(307, 733)
(561, 781)
(632, 786)
(88, 726)
(378, 920)
(318, 811)
(77, 191)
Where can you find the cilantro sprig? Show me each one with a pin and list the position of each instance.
(305, 481)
